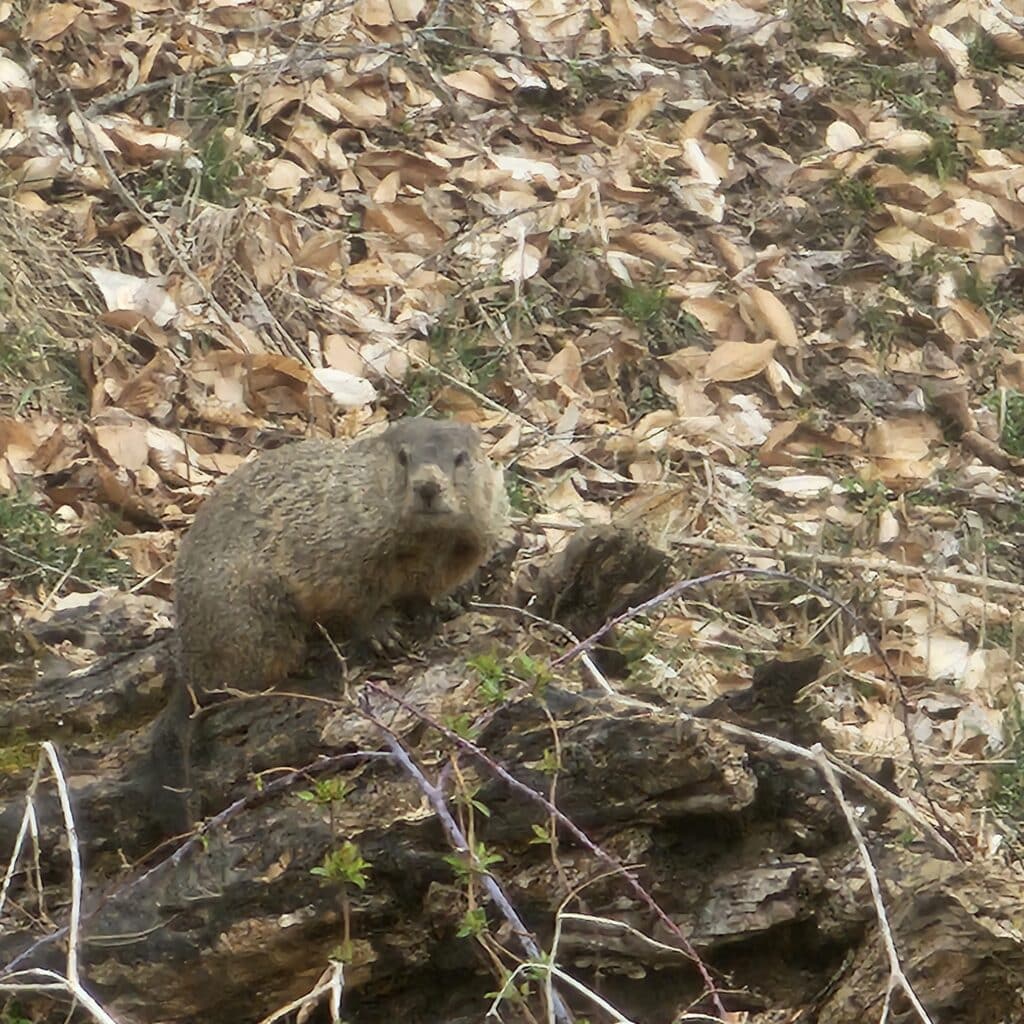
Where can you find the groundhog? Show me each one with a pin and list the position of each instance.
(317, 532)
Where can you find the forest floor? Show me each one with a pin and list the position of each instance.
(745, 276)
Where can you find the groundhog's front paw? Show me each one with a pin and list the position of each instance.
(383, 641)
(387, 642)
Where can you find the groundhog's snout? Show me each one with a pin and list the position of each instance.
(430, 493)
(427, 491)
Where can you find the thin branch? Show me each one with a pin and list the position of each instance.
(568, 824)
(897, 977)
(459, 841)
(550, 970)
(854, 775)
(75, 853)
(319, 767)
(71, 983)
(883, 566)
(681, 586)
(334, 983)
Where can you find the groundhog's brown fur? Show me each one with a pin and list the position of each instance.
(318, 532)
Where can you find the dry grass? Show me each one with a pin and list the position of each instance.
(48, 308)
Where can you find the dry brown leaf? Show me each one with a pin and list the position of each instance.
(902, 244)
(473, 83)
(841, 136)
(144, 296)
(803, 486)
(902, 449)
(49, 21)
(520, 264)
(641, 107)
(739, 360)
(347, 390)
(771, 318)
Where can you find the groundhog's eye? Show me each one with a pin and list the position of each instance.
(461, 459)
(403, 458)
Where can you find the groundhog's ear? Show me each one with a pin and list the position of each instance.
(402, 454)
(471, 438)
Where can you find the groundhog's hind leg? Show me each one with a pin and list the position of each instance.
(260, 640)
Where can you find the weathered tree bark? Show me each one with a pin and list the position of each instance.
(744, 852)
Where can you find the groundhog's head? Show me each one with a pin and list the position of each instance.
(445, 480)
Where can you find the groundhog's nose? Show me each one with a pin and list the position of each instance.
(427, 491)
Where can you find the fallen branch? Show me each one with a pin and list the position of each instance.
(883, 566)
(37, 979)
(897, 977)
(570, 826)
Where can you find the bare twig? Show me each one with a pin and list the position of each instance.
(49, 568)
(569, 825)
(461, 844)
(854, 775)
(681, 586)
(65, 575)
(321, 766)
(549, 969)
(37, 979)
(883, 566)
(332, 981)
(897, 977)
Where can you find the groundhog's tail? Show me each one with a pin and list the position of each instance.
(164, 770)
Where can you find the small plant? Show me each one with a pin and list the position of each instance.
(343, 866)
(420, 386)
(645, 306)
(521, 495)
(529, 670)
(588, 80)
(983, 53)
(881, 326)
(465, 354)
(1009, 405)
(542, 835)
(209, 174)
(462, 725)
(855, 194)
(17, 754)
(1002, 635)
(43, 553)
(466, 797)
(39, 369)
(549, 762)
(943, 157)
(12, 1013)
(982, 291)
(327, 791)
(664, 328)
(811, 18)
(936, 495)
(865, 495)
(473, 924)
(491, 673)
(1006, 131)
(1008, 795)
(652, 173)
(465, 865)
(635, 642)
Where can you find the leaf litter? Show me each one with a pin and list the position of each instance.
(746, 275)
